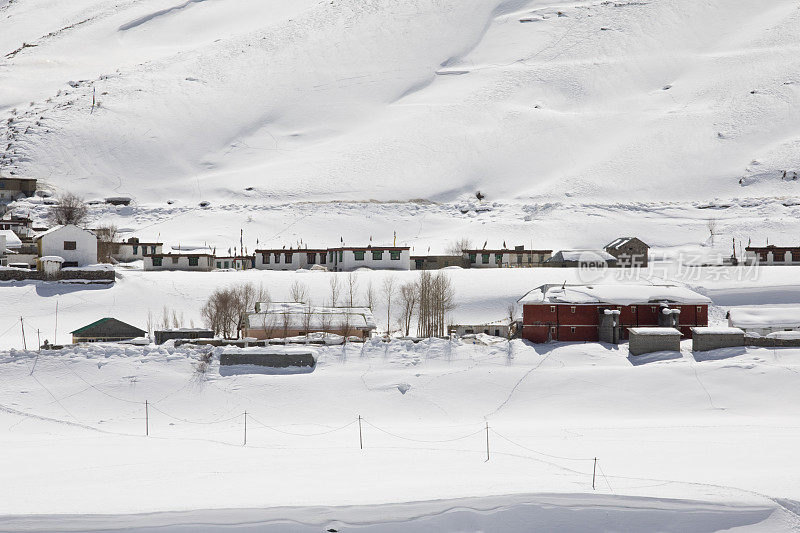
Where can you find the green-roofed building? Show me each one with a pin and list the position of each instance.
(107, 330)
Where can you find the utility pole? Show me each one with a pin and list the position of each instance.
(55, 331)
(594, 472)
(146, 419)
(22, 324)
(39, 339)
(360, 438)
(487, 440)
(245, 429)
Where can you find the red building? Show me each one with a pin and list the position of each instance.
(573, 312)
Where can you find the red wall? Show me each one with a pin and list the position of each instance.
(538, 318)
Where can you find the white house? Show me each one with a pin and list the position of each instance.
(188, 261)
(77, 246)
(375, 257)
(134, 250)
(291, 259)
(772, 255)
(764, 320)
(292, 319)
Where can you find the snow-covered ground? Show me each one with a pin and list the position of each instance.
(711, 438)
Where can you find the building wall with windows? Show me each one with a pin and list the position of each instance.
(283, 259)
(190, 262)
(375, 257)
(133, 250)
(772, 255)
(240, 262)
(77, 246)
(506, 258)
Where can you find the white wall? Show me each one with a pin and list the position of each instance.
(180, 262)
(299, 260)
(85, 253)
(349, 261)
(126, 252)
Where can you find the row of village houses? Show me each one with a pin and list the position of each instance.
(651, 318)
(24, 246)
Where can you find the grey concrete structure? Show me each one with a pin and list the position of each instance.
(649, 340)
(705, 339)
(271, 358)
(164, 335)
(609, 329)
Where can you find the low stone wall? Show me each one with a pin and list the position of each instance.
(703, 342)
(768, 342)
(100, 276)
(277, 360)
(640, 344)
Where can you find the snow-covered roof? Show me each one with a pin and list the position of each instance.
(655, 331)
(581, 256)
(295, 315)
(613, 293)
(53, 258)
(57, 228)
(717, 330)
(619, 242)
(12, 241)
(764, 317)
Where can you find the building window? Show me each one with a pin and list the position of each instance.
(572, 309)
(330, 256)
(795, 255)
(194, 261)
(485, 259)
(498, 258)
(341, 255)
(358, 255)
(778, 256)
(156, 261)
(227, 264)
(219, 264)
(572, 329)
(287, 258)
(419, 263)
(377, 255)
(70, 245)
(277, 258)
(152, 249)
(394, 255)
(322, 258)
(265, 258)
(699, 309)
(135, 249)
(175, 260)
(552, 308)
(473, 258)
(311, 258)
(763, 256)
(553, 329)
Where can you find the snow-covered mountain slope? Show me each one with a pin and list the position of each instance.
(395, 100)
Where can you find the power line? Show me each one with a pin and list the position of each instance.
(542, 453)
(421, 440)
(273, 428)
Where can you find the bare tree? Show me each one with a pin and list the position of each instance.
(165, 317)
(435, 299)
(298, 292)
(408, 303)
(336, 289)
(512, 318)
(458, 246)
(711, 224)
(150, 323)
(308, 316)
(70, 209)
(106, 235)
(352, 288)
(226, 309)
(370, 296)
(389, 289)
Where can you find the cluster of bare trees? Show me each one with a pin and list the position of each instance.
(70, 209)
(430, 298)
(226, 308)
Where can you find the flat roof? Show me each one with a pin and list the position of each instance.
(655, 331)
(506, 251)
(614, 294)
